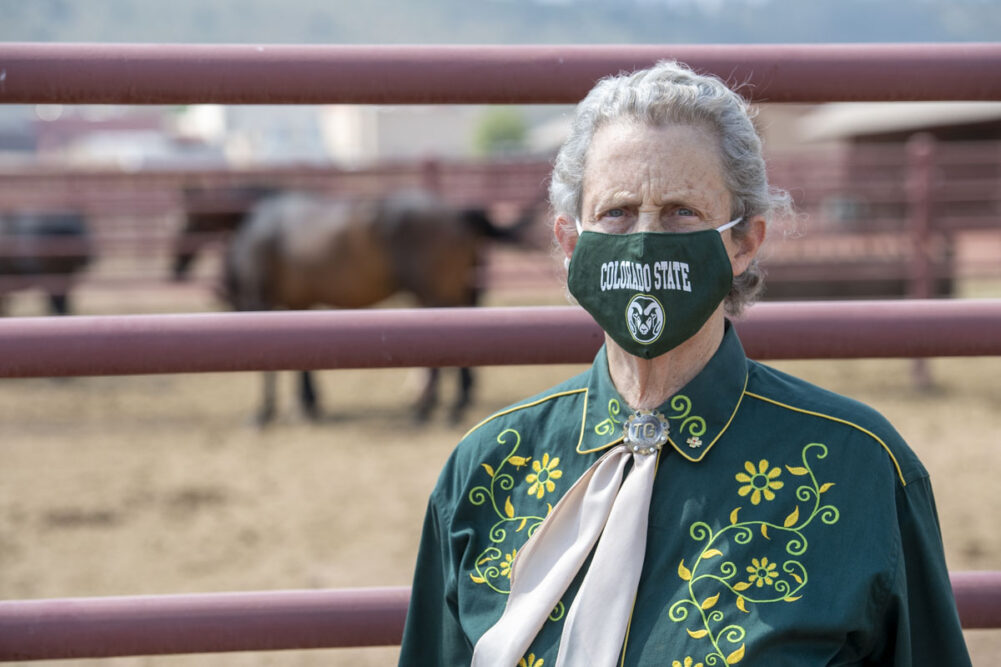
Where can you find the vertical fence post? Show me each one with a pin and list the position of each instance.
(920, 190)
(431, 175)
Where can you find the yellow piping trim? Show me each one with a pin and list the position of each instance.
(599, 447)
(872, 435)
(733, 414)
(527, 405)
(583, 428)
(629, 625)
(583, 421)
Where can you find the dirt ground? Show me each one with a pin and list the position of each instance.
(159, 484)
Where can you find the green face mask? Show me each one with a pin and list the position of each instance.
(651, 291)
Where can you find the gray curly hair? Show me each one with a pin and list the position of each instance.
(670, 92)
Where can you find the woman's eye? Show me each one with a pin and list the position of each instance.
(685, 212)
(614, 213)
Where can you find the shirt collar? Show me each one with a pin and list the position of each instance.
(698, 414)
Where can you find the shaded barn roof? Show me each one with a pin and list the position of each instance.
(895, 121)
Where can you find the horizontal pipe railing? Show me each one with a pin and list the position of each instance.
(382, 338)
(276, 620)
(201, 623)
(40, 73)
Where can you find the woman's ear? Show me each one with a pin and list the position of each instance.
(744, 249)
(566, 234)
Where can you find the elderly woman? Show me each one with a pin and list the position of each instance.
(677, 504)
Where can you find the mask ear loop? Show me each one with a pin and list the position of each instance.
(728, 225)
(580, 229)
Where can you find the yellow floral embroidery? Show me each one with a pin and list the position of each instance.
(711, 577)
(530, 661)
(542, 479)
(505, 567)
(492, 567)
(762, 572)
(688, 663)
(759, 481)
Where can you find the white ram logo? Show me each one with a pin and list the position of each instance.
(645, 318)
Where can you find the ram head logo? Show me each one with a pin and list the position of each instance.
(645, 318)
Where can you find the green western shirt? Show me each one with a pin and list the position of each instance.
(788, 526)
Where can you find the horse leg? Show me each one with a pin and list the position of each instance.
(307, 395)
(59, 303)
(428, 398)
(464, 396)
(266, 413)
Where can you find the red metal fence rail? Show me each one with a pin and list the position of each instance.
(282, 74)
(201, 623)
(219, 342)
(268, 621)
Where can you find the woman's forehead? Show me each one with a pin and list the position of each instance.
(634, 157)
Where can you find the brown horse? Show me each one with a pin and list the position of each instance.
(211, 214)
(297, 251)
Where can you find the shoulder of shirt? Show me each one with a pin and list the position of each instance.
(797, 396)
(482, 442)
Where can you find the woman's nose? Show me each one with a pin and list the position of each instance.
(648, 221)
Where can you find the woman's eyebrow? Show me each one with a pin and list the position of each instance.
(617, 197)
